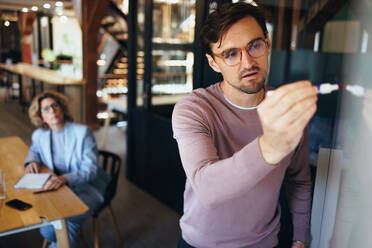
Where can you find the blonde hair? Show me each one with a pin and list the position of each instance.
(34, 111)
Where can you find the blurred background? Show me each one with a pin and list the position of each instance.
(123, 64)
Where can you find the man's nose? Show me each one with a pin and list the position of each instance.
(247, 60)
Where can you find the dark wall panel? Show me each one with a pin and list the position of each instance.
(165, 174)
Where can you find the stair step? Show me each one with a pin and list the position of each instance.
(120, 71)
(122, 65)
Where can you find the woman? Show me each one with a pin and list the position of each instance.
(69, 150)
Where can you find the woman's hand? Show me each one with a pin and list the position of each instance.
(32, 167)
(55, 182)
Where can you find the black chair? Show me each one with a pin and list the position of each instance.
(110, 163)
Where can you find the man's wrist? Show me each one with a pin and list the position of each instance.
(269, 153)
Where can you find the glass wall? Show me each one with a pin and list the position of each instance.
(172, 58)
(328, 42)
(173, 34)
(324, 41)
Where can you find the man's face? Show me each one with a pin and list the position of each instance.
(250, 73)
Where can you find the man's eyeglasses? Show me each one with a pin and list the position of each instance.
(256, 48)
(48, 109)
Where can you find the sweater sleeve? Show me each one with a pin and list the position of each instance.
(214, 180)
(299, 189)
(33, 154)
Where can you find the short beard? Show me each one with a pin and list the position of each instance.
(253, 89)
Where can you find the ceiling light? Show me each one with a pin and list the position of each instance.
(59, 4)
(63, 19)
(25, 10)
(46, 6)
(34, 8)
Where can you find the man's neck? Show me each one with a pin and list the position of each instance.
(241, 98)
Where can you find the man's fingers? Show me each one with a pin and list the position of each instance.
(301, 123)
(283, 116)
(297, 112)
(284, 90)
(290, 99)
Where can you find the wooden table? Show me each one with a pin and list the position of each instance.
(48, 208)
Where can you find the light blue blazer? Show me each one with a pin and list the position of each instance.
(81, 159)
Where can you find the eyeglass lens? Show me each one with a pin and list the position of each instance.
(256, 49)
(53, 106)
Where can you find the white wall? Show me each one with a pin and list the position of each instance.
(341, 37)
(67, 39)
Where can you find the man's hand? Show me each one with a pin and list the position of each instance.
(55, 182)
(298, 244)
(284, 116)
(32, 167)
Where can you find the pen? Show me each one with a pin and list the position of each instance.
(327, 88)
(43, 191)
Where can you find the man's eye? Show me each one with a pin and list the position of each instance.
(256, 45)
(231, 54)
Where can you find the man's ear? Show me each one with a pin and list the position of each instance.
(269, 45)
(212, 63)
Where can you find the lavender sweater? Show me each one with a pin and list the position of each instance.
(231, 193)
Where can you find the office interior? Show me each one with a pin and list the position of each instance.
(124, 64)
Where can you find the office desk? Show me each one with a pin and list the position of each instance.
(48, 208)
(44, 75)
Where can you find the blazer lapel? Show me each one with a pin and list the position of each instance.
(47, 144)
(70, 142)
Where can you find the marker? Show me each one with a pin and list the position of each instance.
(356, 90)
(43, 191)
(328, 88)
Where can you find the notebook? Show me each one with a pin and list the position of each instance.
(32, 181)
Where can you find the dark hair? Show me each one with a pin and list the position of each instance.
(34, 111)
(224, 17)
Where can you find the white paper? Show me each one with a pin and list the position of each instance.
(32, 181)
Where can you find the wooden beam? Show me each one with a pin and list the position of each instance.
(167, 19)
(91, 15)
(295, 24)
(25, 23)
(1, 31)
(280, 28)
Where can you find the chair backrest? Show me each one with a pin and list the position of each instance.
(110, 163)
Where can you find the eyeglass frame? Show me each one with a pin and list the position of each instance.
(48, 108)
(250, 44)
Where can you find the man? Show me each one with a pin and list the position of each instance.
(237, 146)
